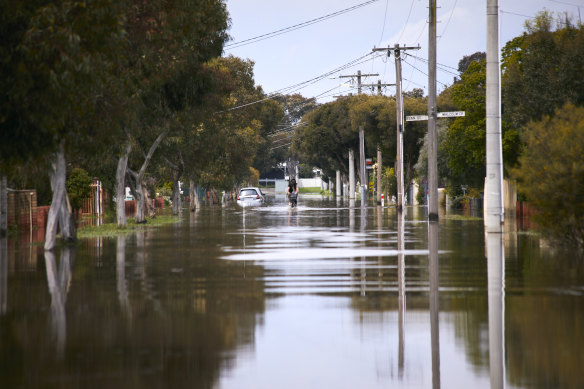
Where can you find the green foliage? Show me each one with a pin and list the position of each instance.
(542, 70)
(465, 140)
(389, 182)
(78, 187)
(332, 129)
(421, 166)
(551, 173)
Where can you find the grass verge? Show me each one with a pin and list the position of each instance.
(111, 229)
(313, 190)
(462, 217)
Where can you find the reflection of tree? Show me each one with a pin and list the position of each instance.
(59, 280)
(539, 332)
(148, 314)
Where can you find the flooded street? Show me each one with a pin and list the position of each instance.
(325, 295)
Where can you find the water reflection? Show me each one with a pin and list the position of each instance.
(121, 282)
(434, 308)
(3, 275)
(496, 296)
(401, 281)
(270, 297)
(59, 281)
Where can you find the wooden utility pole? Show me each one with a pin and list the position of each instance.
(379, 85)
(400, 119)
(362, 172)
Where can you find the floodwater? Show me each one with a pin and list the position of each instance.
(321, 296)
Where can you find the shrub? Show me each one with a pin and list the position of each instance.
(551, 173)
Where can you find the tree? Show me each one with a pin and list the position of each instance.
(465, 62)
(166, 54)
(78, 187)
(56, 60)
(542, 70)
(465, 140)
(551, 173)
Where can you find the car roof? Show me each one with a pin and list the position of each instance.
(249, 187)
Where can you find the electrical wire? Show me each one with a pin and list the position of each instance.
(443, 84)
(301, 85)
(284, 30)
(565, 3)
(406, 23)
(438, 65)
(384, 19)
(448, 22)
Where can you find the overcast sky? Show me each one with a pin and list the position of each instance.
(308, 52)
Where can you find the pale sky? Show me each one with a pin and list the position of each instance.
(301, 55)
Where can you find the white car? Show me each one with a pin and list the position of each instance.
(250, 196)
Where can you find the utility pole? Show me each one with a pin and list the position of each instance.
(400, 119)
(432, 116)
(379, 85)
(362, 171)
(494, 211)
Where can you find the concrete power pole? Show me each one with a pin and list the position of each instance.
(494, 210)
(432, 116)
(351, 175)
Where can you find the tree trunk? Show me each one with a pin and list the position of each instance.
(121, 186)
(139, 177)
(194, 198)
(3, 206)
(176, 199)
(67, 221)
(149, 204)
(59, 191)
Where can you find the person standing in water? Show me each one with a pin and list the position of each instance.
(292, 193)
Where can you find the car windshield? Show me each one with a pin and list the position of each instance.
(248, 192)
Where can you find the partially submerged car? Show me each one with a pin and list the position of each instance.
(250, 196)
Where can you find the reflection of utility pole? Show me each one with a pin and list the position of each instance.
(399, 114)
(362, 172)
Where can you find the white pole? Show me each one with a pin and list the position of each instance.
(338, 183)
(494, 212)
(351, 175)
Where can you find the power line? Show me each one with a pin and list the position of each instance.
(296, 26)
(384, 19)
(423, 72)
(301, 85)
(406, 23)
(448, 22)
(565, 3)
(439, 68)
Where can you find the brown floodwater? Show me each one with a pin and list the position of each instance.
(325, 295)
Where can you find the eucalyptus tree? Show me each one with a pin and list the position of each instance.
(229, 143)
(168, 43)
(57, 60)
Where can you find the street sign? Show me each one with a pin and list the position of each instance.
(417, 118)
(369, 163)
(453, 114)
